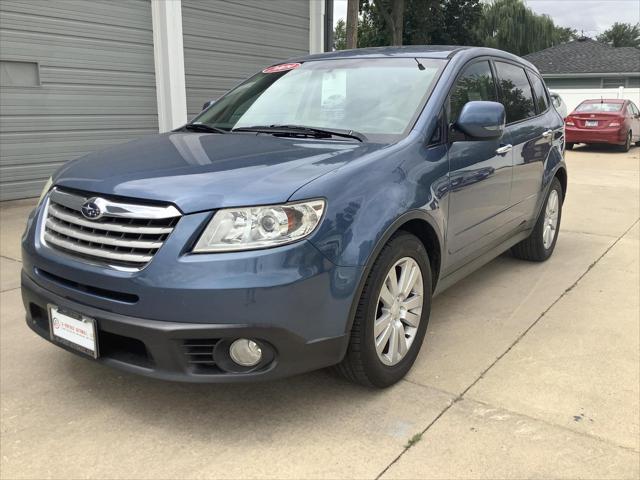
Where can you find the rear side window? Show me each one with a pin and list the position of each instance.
(540, 92)
(515, 91)
(475, 83)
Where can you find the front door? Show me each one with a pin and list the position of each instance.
(480, 173)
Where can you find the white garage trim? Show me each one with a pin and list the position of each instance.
(316, 26)
(168, 54)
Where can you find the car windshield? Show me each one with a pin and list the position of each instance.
(599, 107)
(380, 98)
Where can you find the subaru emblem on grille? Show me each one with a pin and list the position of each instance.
(91, 210)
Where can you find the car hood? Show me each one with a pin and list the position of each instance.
(203, 171)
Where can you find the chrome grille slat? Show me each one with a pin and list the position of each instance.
(125, 235)
(112, 227)
(96, 252)
(91, 237)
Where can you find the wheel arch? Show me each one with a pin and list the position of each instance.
(424, 227)
(427, 235)
(561, 175)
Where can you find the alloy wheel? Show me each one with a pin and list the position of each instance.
(398, 311)
(550, 219)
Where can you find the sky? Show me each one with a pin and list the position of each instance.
(590, 16)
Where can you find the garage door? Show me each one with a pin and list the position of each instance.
(76, 76)
(224, 42)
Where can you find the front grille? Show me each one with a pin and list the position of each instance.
(124, 236)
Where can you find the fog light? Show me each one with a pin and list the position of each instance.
(245, 352)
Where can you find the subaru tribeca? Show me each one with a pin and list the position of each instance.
(305, 219)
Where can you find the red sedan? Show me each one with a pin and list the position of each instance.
(616, 122)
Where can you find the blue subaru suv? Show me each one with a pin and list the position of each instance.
(305, 219)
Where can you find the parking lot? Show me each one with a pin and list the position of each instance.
(529, 370)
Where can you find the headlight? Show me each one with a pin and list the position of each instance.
(45, 189)
(260, 227)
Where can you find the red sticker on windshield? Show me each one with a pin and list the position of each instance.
(283, 67)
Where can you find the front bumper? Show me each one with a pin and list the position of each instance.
(165, 349)
(603, 135)
(291, 299)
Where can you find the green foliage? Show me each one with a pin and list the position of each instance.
(510, 25)
(340, 35)
(461, 18)
(622, 35)
(426, 22)
(505, 24)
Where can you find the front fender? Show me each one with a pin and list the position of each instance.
(368, 200)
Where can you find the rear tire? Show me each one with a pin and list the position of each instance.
(539, 246)
(372, 360)
(627, 144)
(569, 146)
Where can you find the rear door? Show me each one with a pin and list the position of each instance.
(529, 127)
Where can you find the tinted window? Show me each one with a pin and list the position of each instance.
(634, 109)
(516, 92)
(476, 83)
(540, 92)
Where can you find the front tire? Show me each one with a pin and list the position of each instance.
(392, 315)
(539, 246)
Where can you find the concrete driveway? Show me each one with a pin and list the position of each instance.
(528, 371)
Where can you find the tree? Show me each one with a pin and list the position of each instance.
(452, 22)
(461, 19)
(505, 24)
(510, 25)
(621, 35)
(352, 23)
(340, 35)
(392, 11)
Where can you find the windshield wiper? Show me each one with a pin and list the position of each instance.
(303, 130)
(203, 127)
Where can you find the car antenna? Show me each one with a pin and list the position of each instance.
(420, 66)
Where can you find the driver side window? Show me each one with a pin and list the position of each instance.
(475, 83)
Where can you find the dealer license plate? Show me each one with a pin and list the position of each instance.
(73, 330)
(591, 123)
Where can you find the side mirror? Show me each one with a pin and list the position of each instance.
(482, 120)
(208, 104)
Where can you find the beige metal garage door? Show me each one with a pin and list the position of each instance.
(76, 76)
(224, 42)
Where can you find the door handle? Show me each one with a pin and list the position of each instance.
(504, 149)
(547, 133)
